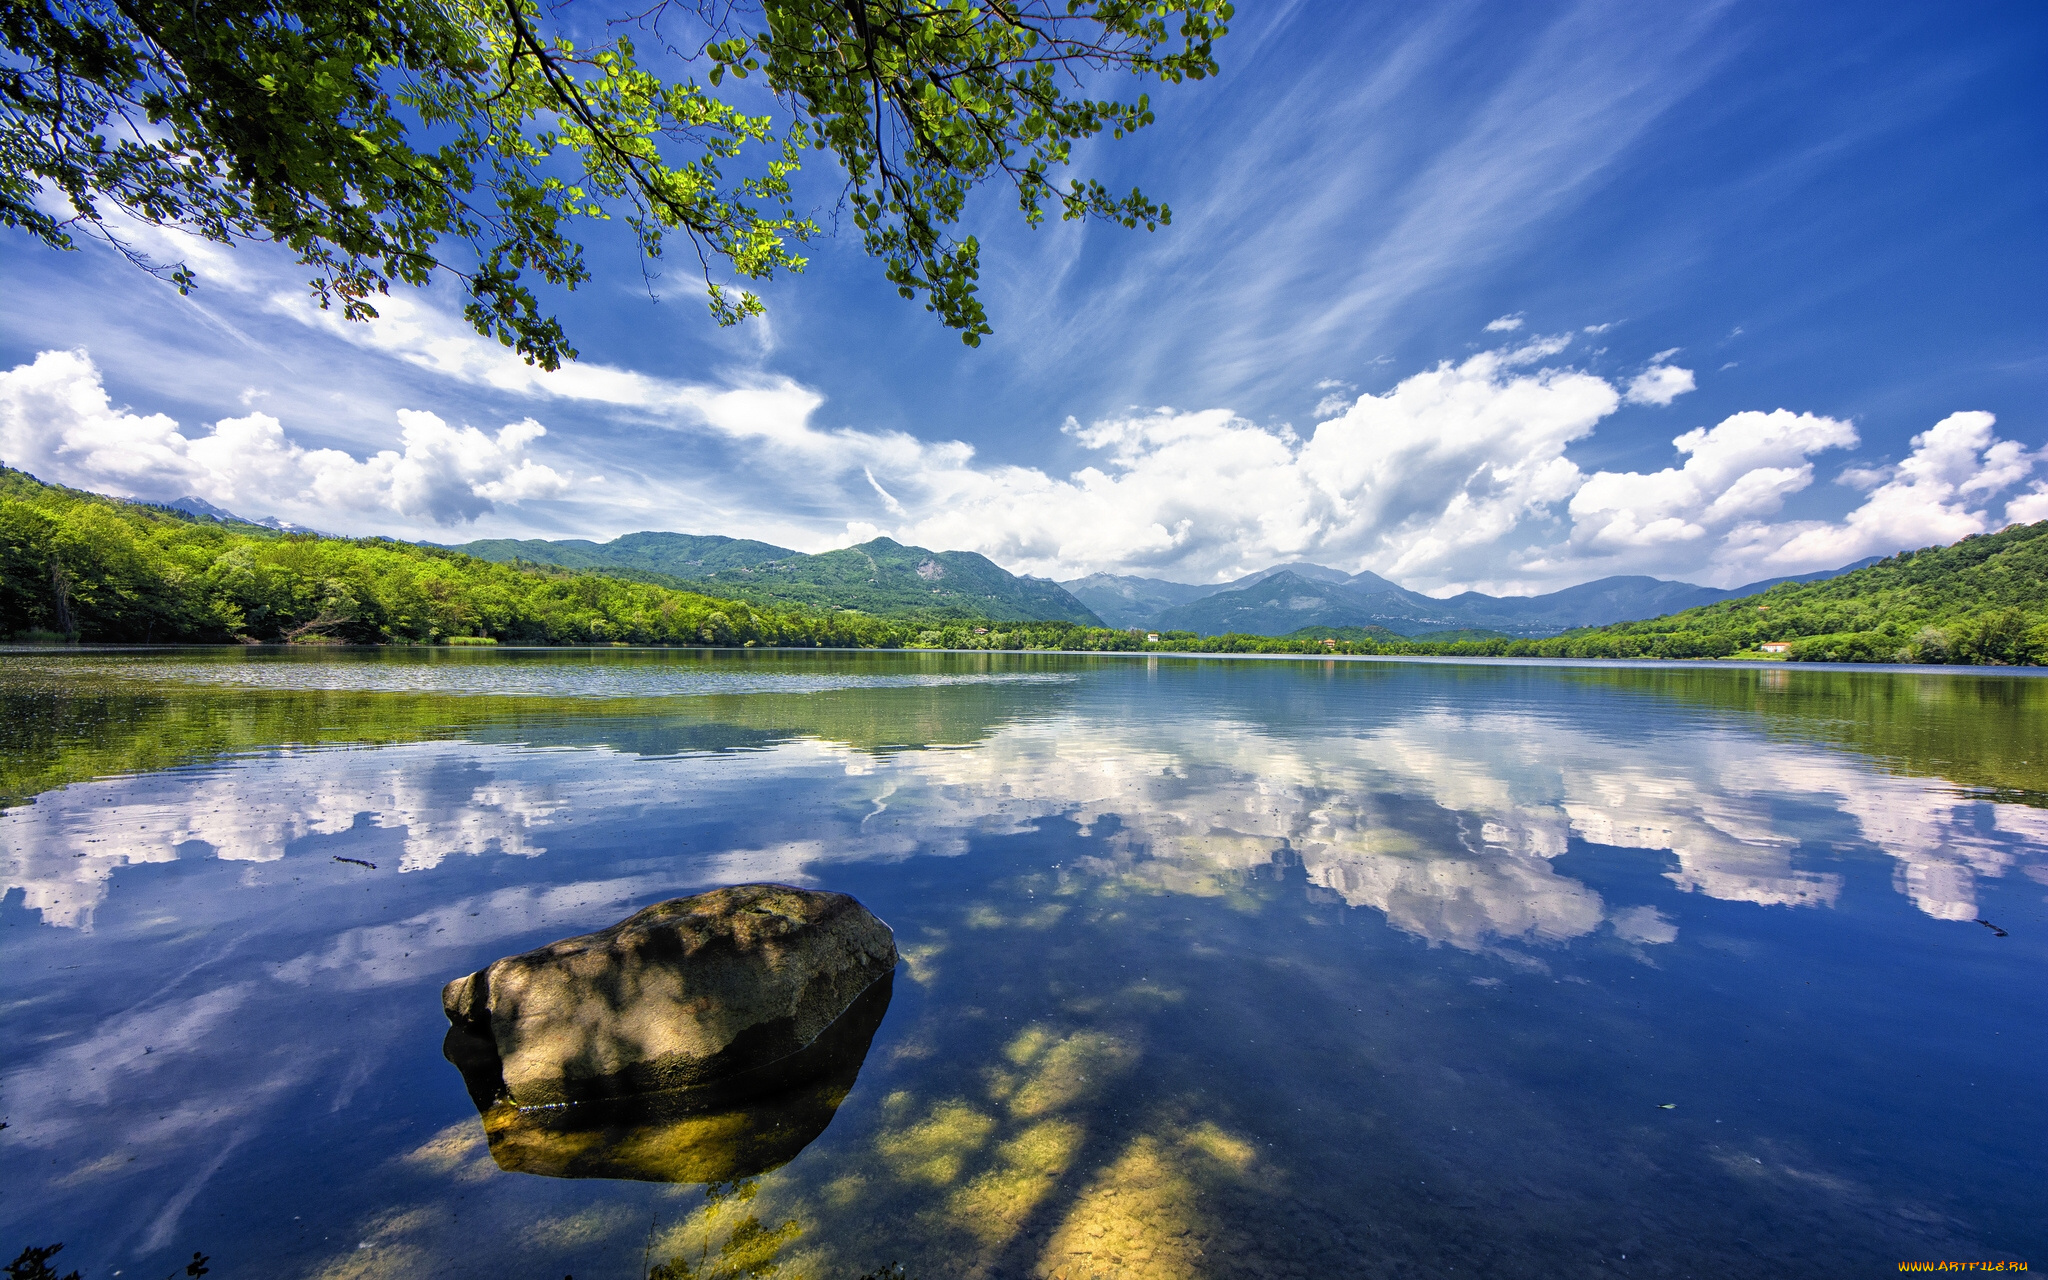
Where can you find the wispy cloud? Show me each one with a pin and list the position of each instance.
(888, 499)
(1588, 86)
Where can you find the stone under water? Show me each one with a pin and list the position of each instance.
(717, 994)
(682, 1135)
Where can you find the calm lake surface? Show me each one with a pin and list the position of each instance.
(1211, 968)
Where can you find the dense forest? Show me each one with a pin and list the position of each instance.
(80, 566)
(882, 577)
(1983, 600)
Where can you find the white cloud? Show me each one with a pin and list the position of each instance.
(1430, 473)
(1941, 492)
(1659, 385)
(57, 421)
(775, 410)
(888, 499)
(1338, 396)
(1459, 476)
(2029, 506)
(1505, 324)
(1582, 89)
(1741, 469)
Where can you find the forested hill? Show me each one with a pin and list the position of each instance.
(86, 567)
(1984, 599)
(886, 578)
(677, 555)
(881, 577)
(97, 569)
(1289, 598)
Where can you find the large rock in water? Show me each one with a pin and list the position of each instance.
(683, 1135)
(704, 993)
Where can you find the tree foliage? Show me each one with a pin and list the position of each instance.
(387, 143)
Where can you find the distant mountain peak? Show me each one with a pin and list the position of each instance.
(880, 576)
(201, 507)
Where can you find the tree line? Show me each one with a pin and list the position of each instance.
(79, 566)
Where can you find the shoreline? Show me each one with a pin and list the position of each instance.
(1482, 660)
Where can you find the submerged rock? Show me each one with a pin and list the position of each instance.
(684, 1135)
(717, 994)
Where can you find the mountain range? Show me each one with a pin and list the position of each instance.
(1291, 597)
(886, 578)
(201, 509)
(880, 577)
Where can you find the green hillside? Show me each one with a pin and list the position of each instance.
(95, 569)
(1351, 635)
(1381, 635)
(1982, 600)
(674, 555)
(882, 577)
(888, 579)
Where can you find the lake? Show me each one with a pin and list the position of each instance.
(1209, 967)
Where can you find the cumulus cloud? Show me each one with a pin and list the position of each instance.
(57, 421)
(1740, 472)
(2029, 506)
(1741, 469)
(1944, 490)
(1459, 476)
(1659, 385)
(1430, 473)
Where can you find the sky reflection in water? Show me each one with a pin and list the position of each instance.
(1210, 967)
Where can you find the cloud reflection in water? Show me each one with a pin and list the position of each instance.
(1452, 821)
(1446, 822)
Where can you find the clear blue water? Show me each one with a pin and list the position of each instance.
(1212, 968)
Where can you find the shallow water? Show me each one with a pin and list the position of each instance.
(1212, 968)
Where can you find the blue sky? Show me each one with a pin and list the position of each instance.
(1495, 295)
